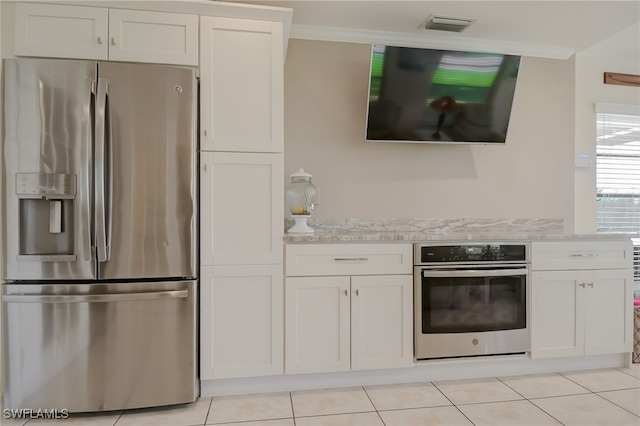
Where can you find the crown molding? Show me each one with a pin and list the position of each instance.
(428, 40)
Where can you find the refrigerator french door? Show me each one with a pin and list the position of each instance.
(99, 289)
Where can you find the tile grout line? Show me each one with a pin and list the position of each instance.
(531, 402)
(374, 406)
(611, 402)
(452, 403)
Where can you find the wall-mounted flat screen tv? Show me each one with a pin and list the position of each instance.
(440, 96)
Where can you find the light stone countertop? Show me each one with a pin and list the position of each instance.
(416, 230)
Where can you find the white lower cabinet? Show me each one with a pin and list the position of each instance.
(318, 331)
(348, 322)
(381, 321)
(577, 311)
(241, 328)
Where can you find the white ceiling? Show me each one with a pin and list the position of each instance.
(558, 27)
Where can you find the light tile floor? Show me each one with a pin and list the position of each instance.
(583, 398)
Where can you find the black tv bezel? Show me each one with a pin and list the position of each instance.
(438, 142)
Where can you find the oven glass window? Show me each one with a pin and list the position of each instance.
(473, 304)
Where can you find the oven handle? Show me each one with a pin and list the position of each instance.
(474, 273)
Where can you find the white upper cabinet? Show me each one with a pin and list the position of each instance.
(241, 85)
(78, 32)
(61, 31)
(166, 38)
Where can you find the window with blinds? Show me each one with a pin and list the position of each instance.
(618, 171)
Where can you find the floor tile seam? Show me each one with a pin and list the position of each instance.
(247, 421)
(545, 411)
(617, 389)
(333, 414)
(586, 392)
(464, 415)
(611, 402)
(628, 373)
(414, 408)
(293, 414)
(122, 414)
(507, 385)
(573, 381)
(422, 408)
(490, 402)
(206, 419)
(370, 400)
(442, 393)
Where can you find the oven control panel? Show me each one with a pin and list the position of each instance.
(473, 252)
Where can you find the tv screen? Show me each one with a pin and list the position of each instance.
(440, 96)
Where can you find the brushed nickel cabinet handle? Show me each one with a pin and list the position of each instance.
(350, 259)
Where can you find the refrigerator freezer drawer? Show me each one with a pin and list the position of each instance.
(99, 347)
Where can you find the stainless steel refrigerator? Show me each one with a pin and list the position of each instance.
(99, 292)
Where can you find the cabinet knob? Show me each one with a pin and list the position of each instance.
(357, 292)
(346, 292)
(113, 41)
(99, 41)
(590, 285)
(581, 285)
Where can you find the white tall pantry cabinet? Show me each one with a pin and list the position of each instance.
(241, 196)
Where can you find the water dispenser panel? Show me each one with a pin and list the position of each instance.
(55, 186)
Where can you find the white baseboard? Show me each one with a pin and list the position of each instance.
(427, 371)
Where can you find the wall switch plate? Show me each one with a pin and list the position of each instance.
(583, 160)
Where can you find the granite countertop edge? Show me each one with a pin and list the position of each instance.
(412, 237)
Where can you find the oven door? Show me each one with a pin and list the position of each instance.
(465, 311)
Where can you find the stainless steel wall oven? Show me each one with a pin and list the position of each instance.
(470, 299)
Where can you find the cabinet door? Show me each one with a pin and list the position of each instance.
(165, 38)
(381, 321)
(241, 206)
(317, 331)
(608, 311)
(241, 85)
(241, 321)
(557, 324)
(60, 31)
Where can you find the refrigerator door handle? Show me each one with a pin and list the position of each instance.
(109, 174)
(87, 243)
(95, 298)
(100, 159)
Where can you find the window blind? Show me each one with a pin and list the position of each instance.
(618, 172)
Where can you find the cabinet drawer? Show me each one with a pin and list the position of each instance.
(348, 259)
(574, 255)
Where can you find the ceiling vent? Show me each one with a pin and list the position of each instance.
(447, 23)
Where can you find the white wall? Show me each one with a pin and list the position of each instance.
(530, 177)
(619, 53)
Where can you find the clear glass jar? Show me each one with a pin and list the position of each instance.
(301, 195)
